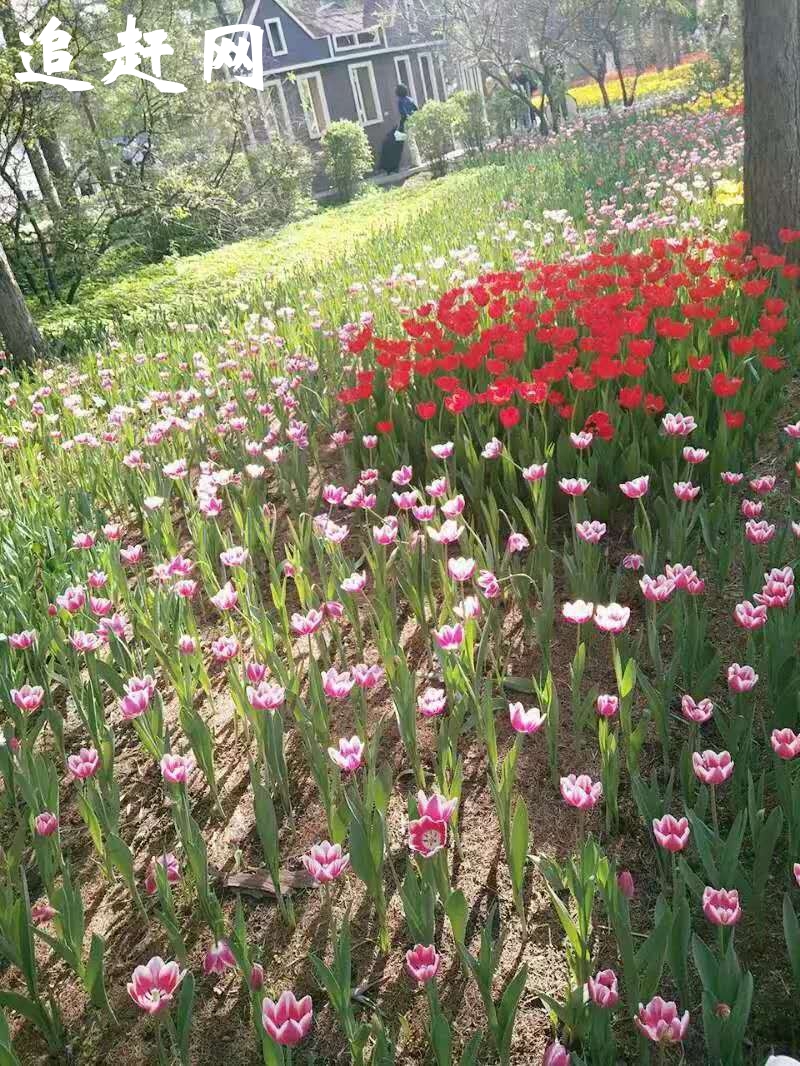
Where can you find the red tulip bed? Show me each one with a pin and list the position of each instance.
(408, 674)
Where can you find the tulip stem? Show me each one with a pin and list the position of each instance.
(714, 819)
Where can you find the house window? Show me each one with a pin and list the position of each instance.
(363, 39)
(402, 68)
(274, 110)
(277, 42)
(429, 86)
(315, 106)
(365, 93)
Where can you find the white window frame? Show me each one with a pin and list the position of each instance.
(355, 85)
(271, 25)
(283, 120)
(408, 81)
(428, 56)
(374, 30)
(314, 133)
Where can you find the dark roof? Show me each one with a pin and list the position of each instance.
(333, 18)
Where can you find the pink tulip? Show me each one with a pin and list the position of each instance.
(678, 425)
(721, 906)
(72, 599)
(581, 440)
(460, 569)
(256, 979)
(763, 484)
(657, 589)
(355, 583)
(432, 702)
(169, 863)
(785, 743)
(404, 501)
(85, 642)
(470, 607)
(442, 451)
(422, 963)
(436, 807)
(402, 476)
(579, 612)
(749, 617)
(424, 512)
(23, 640)
(28, 698)
(685, 491)
(535, 472)
(438, 488)
(695, 455)
(607, 706)
(574, 486)
(556, 1055)
(449, 638)
(454, 507)
(153, 986)
(426, 836)
(236, 556)
(626, 884)
(633, 562)
(223, 649)
(218, 958)
(741, 678)
(796, 872)
(448, 532)
(637, 487)
(325, 862)
(525, 721)
(85, 764)
(255, 672)
(517, 542)
(265, 696)
(759, 532)
(591, 532)
(337, 685)
(488, 584)
(603, 989)
(611, 618)
(580, 791)
(492, 449)
(731, 477)
(659, 1021)
(306, 624)
(226, 599)
(41, 913)
(367, 676)
(46, 824)
(671, 833)
(289, 1020)
(696, 712)
(711, 767)
(349, 755)
(752, 508)
(133, 555)
(176, 769)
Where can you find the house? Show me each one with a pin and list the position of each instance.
(343, 62)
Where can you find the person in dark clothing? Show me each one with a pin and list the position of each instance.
(392, 147)
(405, 104)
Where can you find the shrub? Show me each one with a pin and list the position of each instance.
(432, 130)
(469, 120)
(347, 155)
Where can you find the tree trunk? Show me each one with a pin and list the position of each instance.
(51, 150)
(771, 118)
(44, 179)
(18, 331)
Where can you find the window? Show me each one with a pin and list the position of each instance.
(274, 110)
(277, 42)
(315, 106)
(365, 93)
(429, 87)
(363, 39)
(402, 68)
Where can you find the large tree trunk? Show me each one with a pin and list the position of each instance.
(44, 179)
(771, 118)
(18, 332)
